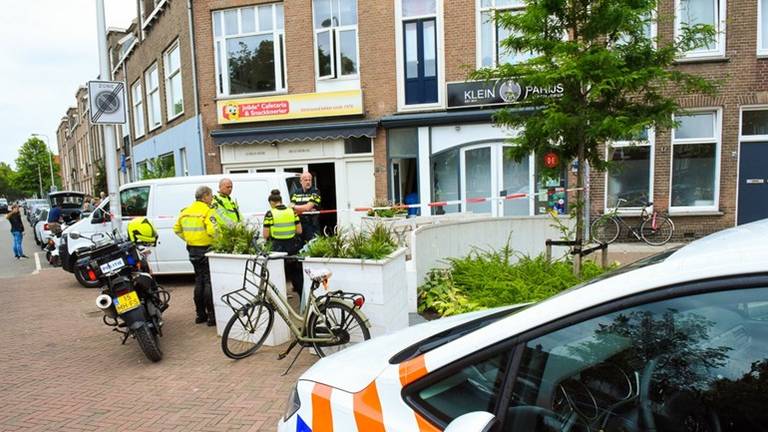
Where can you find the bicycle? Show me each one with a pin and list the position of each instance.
(330, 322)
(654, 229)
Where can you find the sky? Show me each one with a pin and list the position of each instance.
(48, 48)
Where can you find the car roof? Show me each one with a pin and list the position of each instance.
(209, 178)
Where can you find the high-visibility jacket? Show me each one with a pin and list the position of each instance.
(227, 210)
(196, 224)
(281, 222)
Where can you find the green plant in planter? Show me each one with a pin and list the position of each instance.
(237, 239)
(373, 245)
(391, 212)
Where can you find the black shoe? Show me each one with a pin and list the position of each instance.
(200, 319)
(211, 322)
(24, 256)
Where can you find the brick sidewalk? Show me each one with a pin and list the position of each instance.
(62, 369)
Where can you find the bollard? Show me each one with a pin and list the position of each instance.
(604, 256)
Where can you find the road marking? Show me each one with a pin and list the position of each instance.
(37, 263)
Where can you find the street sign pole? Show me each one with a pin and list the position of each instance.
(110, 151)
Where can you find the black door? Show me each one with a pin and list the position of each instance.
(753, 182)
(420, 39)
(325, 181)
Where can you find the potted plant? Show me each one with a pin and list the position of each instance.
(231, 248)
(369, 262)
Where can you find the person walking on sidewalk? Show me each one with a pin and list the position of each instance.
(17, 230)
(227, 211)
(282, 226)
(196, 225)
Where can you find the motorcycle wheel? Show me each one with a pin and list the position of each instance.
(149, 343)
(85, 282)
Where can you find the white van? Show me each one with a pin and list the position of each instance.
(161, 200)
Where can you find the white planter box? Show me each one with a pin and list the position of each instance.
(382, 282)
(227, 276)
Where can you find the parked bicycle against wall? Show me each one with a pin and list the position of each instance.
(652, 228)
(330, 322)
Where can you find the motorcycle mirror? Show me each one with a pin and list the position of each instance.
(74, 235)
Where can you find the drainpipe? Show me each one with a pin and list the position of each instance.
(194, 85)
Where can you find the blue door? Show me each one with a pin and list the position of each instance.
(753, 182)
(420, 39)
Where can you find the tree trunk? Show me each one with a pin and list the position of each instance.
(579, 213)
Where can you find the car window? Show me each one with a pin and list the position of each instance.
(692, 363)
(475, 387)
(134, 201)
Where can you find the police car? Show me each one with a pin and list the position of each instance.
(677, 341)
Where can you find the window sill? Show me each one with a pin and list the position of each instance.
(703, 59)
(673, 212)
(154, 128)
(421, 107)
(151, 17)
(172, 118)
(250, 95)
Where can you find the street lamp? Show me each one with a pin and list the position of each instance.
(50, 158)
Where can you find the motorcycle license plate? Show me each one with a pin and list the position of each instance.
(127, 302)
(112, 265)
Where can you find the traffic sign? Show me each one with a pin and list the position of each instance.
(106, 100)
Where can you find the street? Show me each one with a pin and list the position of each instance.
(9, 266)
(62, 369)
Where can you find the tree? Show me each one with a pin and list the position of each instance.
(159, 167)
(33, 168)
(7, 183)
(101, 179)
(605, 81)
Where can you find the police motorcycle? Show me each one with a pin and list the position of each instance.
(132, 302)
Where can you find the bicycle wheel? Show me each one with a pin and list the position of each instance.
(247, 329)
(660, 234)
(343, 321)
(604, 230)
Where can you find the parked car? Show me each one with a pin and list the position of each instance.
(42, 231)
(3, 205)
(32, 206)
(161, 200)
(36, 214)
(677, 341)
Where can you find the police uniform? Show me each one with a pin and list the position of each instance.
(196, 225)
(310, 224)
(282, 222)
(227, 210)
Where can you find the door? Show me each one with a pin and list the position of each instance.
(478, 180)
(753, 182)
(361, 189)
(488, 174)
(515, 179)
(420, 39)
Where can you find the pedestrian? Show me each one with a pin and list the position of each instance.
(306, 200)
(196, 225)
(55, 218)
(227, 210)
(17, 230)
(87, 205)
(283, 227)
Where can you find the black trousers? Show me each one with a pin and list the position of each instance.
(309, 228)
(294, 271)
(203, 294)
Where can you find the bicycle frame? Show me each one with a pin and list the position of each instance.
(614, 214)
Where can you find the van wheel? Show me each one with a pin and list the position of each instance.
(83, 280)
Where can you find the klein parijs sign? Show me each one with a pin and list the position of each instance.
(501, 92)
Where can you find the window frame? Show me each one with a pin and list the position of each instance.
(138, 90)
(221, 59)
(762, 52)
(720, 27)
(335, 31)
(400, 56)
(169, 76)
(479, 10)
(152, 94)
(717, 140)
(650, 142)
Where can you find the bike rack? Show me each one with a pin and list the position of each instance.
(577, 250)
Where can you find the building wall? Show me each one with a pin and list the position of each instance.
(183, 135)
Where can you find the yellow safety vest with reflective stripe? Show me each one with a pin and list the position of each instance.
(196, 224)
(282, 223)
(226, 209)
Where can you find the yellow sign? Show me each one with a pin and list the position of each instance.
(287, 107)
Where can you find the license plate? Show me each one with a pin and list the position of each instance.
(112, 265)
(127, 302)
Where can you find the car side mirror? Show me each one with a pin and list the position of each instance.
(478, 421)
(74, 235)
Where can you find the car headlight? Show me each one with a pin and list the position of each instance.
(293, 405)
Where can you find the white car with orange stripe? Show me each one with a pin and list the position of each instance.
(678, 339)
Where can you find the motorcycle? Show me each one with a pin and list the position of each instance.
(132, 302)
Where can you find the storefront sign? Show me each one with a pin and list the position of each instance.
(287, 107)
(479, 93)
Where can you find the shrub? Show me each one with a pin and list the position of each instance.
(392, 211)
(236, 239)
(374, 245)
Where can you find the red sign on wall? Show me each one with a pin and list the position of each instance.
(551, 160)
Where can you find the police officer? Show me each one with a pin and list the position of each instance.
(282, 225)
(305, 200)
(227, 211)
(196, 225)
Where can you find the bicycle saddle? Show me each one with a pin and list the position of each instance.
(319, 275)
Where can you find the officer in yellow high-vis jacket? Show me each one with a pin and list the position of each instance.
(227, 210)
(282, 226)
(196, 225)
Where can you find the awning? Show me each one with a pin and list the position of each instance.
(443, 117)
(296, 132)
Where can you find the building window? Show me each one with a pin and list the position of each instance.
(153, 97)
(419, 51)
(709, 12)
(173, 90)
(250, 50)
(695, 161)
(754, 123)
(403, 154)
(184, 162)
(630, 175)
(445, 181)
(491, 53)
(762, 27)
(357, 145)
(335, 24)
(138, 109)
